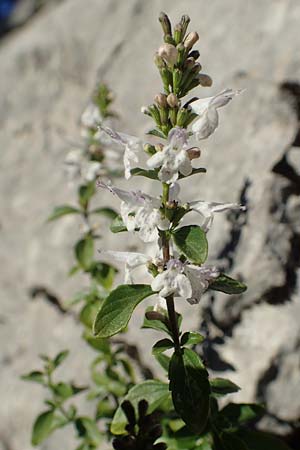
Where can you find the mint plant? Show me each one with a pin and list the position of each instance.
(192, 417)
(182, 410)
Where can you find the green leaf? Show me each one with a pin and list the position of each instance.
(191, 241)
(85, 192)
(63, 210)
(191, 338)
(60, 357)
(103, 273)
(88, 429)
(157, 133)
(163, 360)
(102, 345)
(154, 392)
(241, 413)
(118, 307)
(228, 285)
(67, 390)
(221, 386)
(107, 212)
(88, 313)
(35, 376)
(257, 440)
(138, 171)
(161, 346)
(42, 427)
(73, 270)
(118, 225)
(229, 441)
(84, 252)
(190, 389)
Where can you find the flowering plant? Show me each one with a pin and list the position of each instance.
(183, 411)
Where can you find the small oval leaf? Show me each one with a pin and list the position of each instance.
(191, 241)
(42, 427)
(118, 307)
(228, 285)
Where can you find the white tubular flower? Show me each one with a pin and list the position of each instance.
(132, 261)
(199, 278)
(131, 144)
(172, 281)
(173, 158)
(91, 116)
(140, 211)
(73, 163)
(207, 210)
(206, 109)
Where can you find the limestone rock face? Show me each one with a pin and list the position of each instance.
(48, 70)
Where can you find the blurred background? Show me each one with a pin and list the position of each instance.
(52, 55)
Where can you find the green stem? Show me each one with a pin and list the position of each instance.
(166, 258)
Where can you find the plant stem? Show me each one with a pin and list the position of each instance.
(166, 257)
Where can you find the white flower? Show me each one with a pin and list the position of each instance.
(91, 116)
(184, 280)
(173, 158)
(132, 146)
(206, 109)
(140, 211)
(207, 210)
(132, 260)
(200, 278)
(172, 281)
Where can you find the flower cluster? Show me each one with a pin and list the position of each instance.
(156, 219)
(95, 156)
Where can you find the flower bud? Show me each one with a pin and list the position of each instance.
(155, 114)
(181, 53)
(184, 22)
(172, 100)
(189, 63)
(168, 39)
(204, 80)
(178, 33)
(153, 315)
(197, 67)
(177, 77)
(165, 23)
(182, 116)
(191, 39)
(194, 54)
(161, 100)
(169, 53)
(194, 153)
(159, 147)
(158, 61)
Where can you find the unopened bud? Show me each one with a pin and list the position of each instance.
(153, 315)
(189, 63)
(184, 22)
(169, 53)
(155, 114)
(161, 100)
(194, 54)
(158, 61)
(178, 33)
(204, 80)
(172, 100)
(197, 67)
(159, 147)
(194, 153)
(191, 39)
(181, 53)
(168, 39)
(177, 77)
(165, 23)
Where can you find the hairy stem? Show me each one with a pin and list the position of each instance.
(166, 257)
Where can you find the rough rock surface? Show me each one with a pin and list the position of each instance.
(48, 70)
